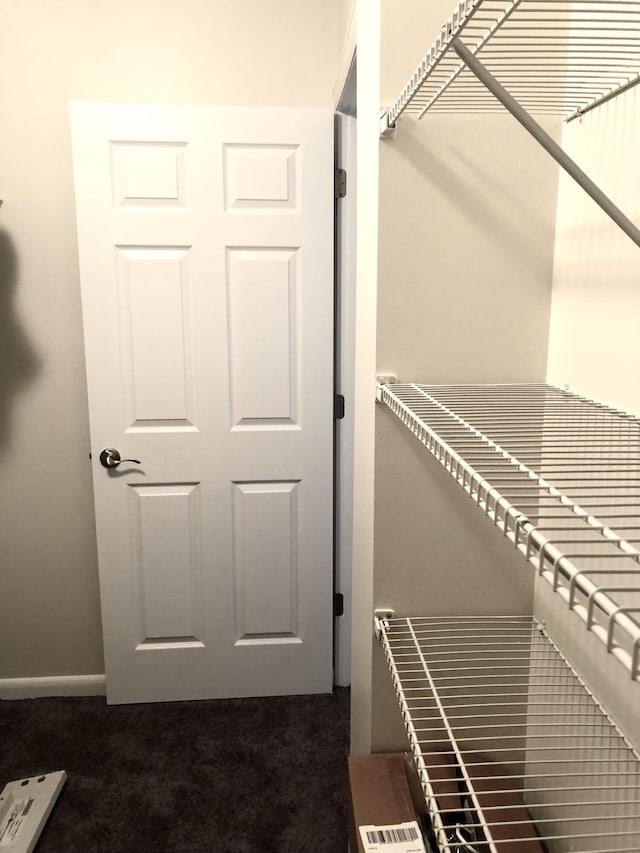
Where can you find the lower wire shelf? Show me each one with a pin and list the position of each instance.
(514, 753)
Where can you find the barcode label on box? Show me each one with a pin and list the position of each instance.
(393, 838)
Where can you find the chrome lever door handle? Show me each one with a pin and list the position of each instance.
(110, 458)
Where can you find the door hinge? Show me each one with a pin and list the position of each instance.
(338, 407)
(338, 604)
(340, 183)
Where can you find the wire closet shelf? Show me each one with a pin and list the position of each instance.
(559, 475)
(557, 57)
(513, 753)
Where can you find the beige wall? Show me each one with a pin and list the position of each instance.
(284, 52)
(596, 299)
(346, 10)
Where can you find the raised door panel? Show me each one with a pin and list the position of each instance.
(263, 336)
(155, 334)
(166, 564)
(266, 562)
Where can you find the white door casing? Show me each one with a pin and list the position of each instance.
(346, 128)
(205, 243)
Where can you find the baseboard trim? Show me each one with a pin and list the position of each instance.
(59, 685)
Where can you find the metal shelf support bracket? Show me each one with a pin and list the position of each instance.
(546, 141)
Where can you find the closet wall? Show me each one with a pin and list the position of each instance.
(596, 299)
(244, 52)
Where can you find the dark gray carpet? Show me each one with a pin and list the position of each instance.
(227, 776)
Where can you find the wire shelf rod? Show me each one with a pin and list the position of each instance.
(566, 757)
(556, 789)
(574, 751)
(530, 441)
(565, 837)
(594, 15)
(540, 821)
(526, 698)
(454, 683)
(509, 725)
(441, 664)
(569, 65)
(549, 95)
(437, 824)
(478, 23)
(619, 41)
(594, 522)
(547, 407)
(549, 89)
(522, 51)
(513, 691)
(538, 68)
(559, 815)
(577, 5)
(457, 655)
(470, 624)
(528, 390)
(525, 438)
(533, 406)
(533, 805)
(520, 700)
(549, 419)
(547, 431)
(546, 411)
(596, 774)
(483, 649)
(436, 662)
(549, 415)
(474, 798)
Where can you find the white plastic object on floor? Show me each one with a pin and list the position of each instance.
(25, 806)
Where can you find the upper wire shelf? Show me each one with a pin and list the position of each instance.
(557, 57)
(559, 475)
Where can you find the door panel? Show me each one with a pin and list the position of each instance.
(165, 560)
(266, 583)
(205, 240)
(263, 335)
(156, 339)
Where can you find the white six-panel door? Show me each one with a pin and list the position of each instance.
(205, 242)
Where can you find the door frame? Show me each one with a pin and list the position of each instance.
(344, 95)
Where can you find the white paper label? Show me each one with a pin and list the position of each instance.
(13, 823)
(393, 838)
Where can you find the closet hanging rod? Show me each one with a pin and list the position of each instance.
(546, 141)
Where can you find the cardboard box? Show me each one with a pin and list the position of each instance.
(383, 789)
